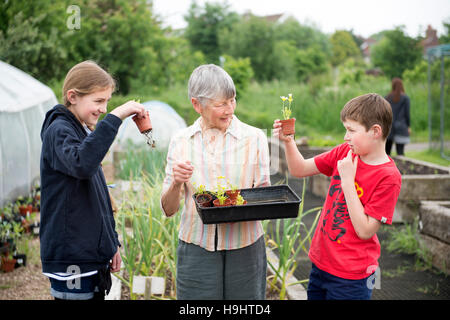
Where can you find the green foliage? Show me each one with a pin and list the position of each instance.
(253, 37)
(419, 73)
(302, 36)
(121, 35)
(405, 239)
(343, 47)
(204, 26)
(287, 51)
(30, 38)
(396, 52)
(240, 71)
(139, 160)
(445, 38)
(309, 62)
(351, 71)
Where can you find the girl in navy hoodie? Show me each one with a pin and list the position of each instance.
(79, 244)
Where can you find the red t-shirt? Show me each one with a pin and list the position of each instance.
(335, 247)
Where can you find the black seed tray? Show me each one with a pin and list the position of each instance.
(273, 202)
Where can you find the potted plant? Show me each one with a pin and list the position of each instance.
(233, 192)
(8, 263)
(203, 197)
(288, 123)
(222, 200)
(240, 200)
(13, 230)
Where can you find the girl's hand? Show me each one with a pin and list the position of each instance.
(116, 262)
(278, 132)
(129, 108)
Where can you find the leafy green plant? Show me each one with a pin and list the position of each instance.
(286, 109)
(137, 159)
(239, 200)
(288, 241)
(149, 239)
(405, 239)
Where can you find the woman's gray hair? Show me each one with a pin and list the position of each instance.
(209, 81)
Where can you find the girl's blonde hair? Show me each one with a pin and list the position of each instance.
(86, 77)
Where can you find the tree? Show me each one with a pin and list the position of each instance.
(445, 38)
(31, 37)
(396, 52)
(343, 47)
(204, 26)
(254, 38)
(240, 71)
(302, 36)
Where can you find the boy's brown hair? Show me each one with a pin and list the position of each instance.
(86, 77)
(369, 109)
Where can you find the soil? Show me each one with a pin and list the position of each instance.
(406, 167)
(26, 283)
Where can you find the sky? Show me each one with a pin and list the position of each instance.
(365, 17)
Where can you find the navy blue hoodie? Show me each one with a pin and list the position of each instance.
(77, 222)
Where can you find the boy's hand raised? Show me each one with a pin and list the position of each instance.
(278, 132)
(347, 168)
(129, 108)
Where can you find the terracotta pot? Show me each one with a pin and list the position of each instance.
(233, 194)
(143, 123)
(204, 199)
(8, 264)
(24, 209)
(225, 204)
(288, 126)
(235, 204)
(26, 226)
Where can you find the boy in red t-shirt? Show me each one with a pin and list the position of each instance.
(365, 184)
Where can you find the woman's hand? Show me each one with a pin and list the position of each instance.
(129, 108)
(278, 132)
(182, 171)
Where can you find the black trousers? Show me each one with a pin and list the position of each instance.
(399, 147)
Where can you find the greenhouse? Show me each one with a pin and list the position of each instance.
(23, 104)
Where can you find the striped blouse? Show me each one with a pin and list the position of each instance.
(241, 155)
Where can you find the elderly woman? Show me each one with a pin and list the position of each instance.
(227, 260)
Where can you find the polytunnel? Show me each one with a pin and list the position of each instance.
(165, 122)
(23, 104)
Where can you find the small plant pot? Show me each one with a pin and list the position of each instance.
(232, 195)
(234, 203)
(225, 204)
(288, 126)
(204, 200)
(26, 225)
(143, 123)
(24, 209)
(8, 264)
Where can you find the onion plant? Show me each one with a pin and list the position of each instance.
(287, 239)
(149, 239)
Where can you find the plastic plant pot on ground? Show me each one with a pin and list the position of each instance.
(273, 202)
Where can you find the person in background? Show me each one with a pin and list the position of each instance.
(401, 127)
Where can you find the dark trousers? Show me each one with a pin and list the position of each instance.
(398, 146)
(238, 274)
(325, 286)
